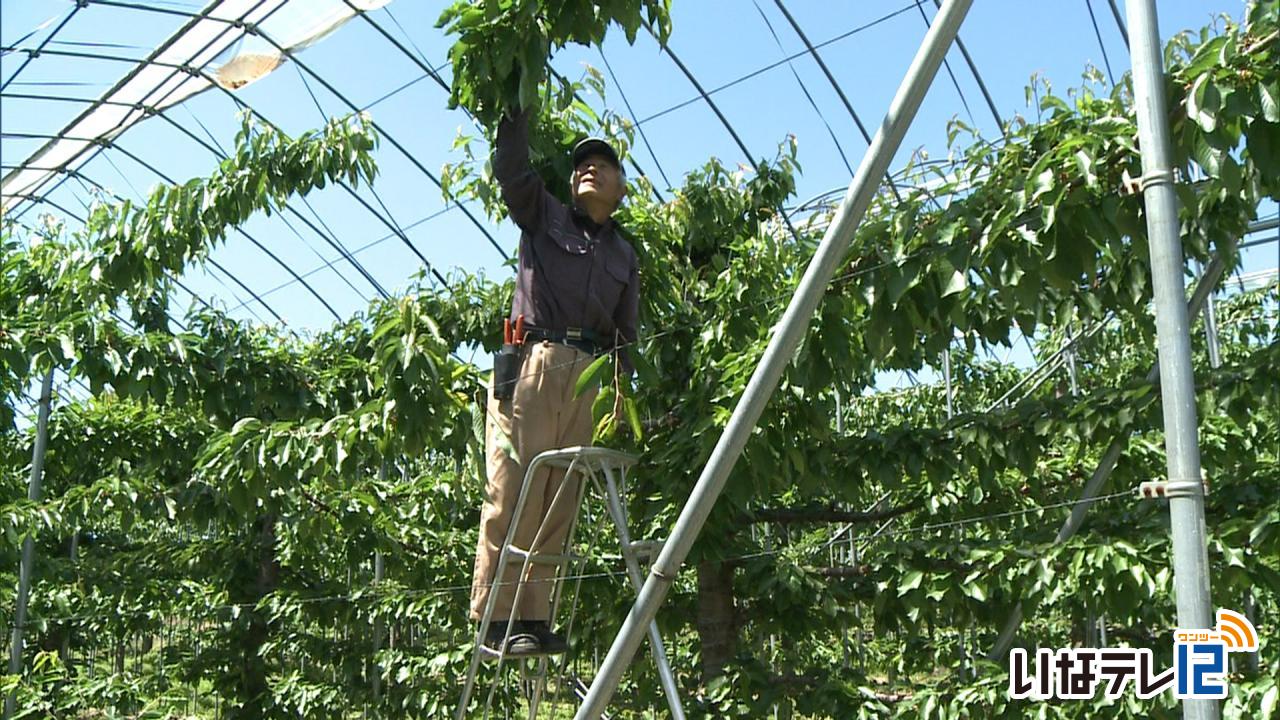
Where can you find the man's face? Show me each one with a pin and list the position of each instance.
(596, 180)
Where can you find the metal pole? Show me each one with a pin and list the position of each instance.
(378, 571)
(777, 355)
(618, 512)
(28, 544)
(946, 378)
(839, 417)
(66, 639)
(1211, 334)
(1173, 337)
(1073, 372)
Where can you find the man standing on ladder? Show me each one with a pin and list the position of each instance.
(577, 296)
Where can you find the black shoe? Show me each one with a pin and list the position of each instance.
(552, 644)
(522, 643)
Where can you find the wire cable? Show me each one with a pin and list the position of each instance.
(221, 154)
(362, 248)
(1101, 45)
(977, 76)
(261, 246)
(1115, 13)
(80, 175)
(12, 47)
(947, 65)
(632, 113)
(33, 54)
(381, 131)
(783, 61)
(395, 226)
(804, 89)
(374, 594)
(328, 237)
(162, 113)
(831, 78)
(716, 109)
(193, 19)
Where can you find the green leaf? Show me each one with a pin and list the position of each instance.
(1263, 145)
(633, 417)
(955, 284)
(910, 582)
(1269, 98)
(1269, 703)
(1203, 103)
(645, 371)
(1039, 185)
(1084, 163)
(1205, 154)
(592, 374)
(975, 591)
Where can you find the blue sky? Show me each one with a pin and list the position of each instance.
(720, 40)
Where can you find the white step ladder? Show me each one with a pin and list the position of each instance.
(604, 470)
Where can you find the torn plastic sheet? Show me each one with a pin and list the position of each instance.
(213, 47)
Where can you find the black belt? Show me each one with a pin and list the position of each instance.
(579, 338)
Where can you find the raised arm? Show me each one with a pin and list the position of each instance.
(522, 190)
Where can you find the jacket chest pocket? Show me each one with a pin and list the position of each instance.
(567, 261)
(612, 281)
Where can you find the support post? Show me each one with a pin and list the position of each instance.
(1173, 337)
(28, 544)
(946, 379)
(378, 631)
(1211, 334)
(1073, 376)
(777, 355)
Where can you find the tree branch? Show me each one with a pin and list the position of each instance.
(324, 507)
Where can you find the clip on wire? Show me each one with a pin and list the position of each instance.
(1158, 489)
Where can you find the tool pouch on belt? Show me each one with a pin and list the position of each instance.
(506, 369)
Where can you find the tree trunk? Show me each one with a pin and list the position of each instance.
(717, 619)
(253, 670)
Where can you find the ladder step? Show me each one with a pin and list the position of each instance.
(517, 555)
(489, 653)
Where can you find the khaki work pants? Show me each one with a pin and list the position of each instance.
(542, 415)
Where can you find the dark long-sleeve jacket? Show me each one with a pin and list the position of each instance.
(572, 271)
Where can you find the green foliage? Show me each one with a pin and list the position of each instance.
(500, 57)
(227, 487)
(563, 118)
(56, 286)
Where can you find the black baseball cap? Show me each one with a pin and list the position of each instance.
(595, 146)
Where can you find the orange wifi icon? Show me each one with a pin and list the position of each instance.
(1237, 632)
